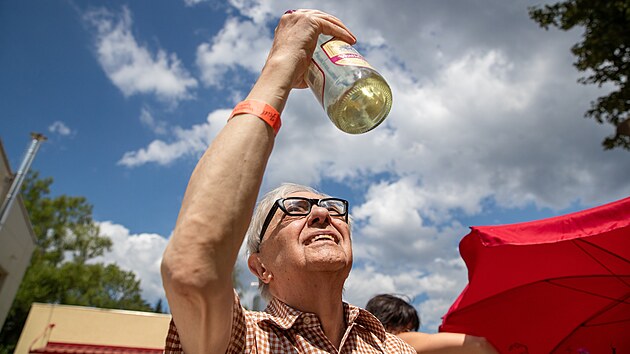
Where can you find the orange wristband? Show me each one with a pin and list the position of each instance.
(261, 110)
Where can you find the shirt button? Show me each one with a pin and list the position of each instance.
(307, 320)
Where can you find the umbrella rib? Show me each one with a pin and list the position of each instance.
(598, 261)
(607, 323)
(602, 249)
(617, 300)
(602, 310)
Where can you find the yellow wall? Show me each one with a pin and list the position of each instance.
(87, 325)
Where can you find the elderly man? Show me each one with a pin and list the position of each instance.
(299, 239)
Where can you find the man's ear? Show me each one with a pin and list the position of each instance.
(257, 267)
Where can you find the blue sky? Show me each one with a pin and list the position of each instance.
(487, 125)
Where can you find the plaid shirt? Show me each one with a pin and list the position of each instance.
(282, 329)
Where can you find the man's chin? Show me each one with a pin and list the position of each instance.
(329, 262)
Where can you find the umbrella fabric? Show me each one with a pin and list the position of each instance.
(558, 285)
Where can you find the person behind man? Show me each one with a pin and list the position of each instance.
(396, 314)
(400, 318)
(299, 239)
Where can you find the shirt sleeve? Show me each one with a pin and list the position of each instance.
(239, 328)
(237, 337)
(173, 345)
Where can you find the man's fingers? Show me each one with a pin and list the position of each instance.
(337, 31)
(328, 24)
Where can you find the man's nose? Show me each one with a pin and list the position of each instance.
(318, 216)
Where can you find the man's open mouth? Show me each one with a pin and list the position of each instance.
(322, 237)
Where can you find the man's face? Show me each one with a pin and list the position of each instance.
(295, 245)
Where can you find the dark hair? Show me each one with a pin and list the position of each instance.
(394, 313)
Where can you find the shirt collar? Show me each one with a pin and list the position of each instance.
(281, 314)
(284, 317)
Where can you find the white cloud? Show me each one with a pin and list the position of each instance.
(193, 2)
(399, 221)
(239, 45)
(157, 126)
(432, 287)
(131, 66)
(187, 142)
(60, 128)
(258, 11)
(140, 253)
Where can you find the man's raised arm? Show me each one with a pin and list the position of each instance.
(221, 194)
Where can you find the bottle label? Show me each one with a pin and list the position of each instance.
(342, 53)
(316, 80)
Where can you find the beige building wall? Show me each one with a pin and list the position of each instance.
(17, 242)
(88, 325)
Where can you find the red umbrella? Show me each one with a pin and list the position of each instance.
(558, 285)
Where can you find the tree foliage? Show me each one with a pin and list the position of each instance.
(604, 53)
(60, 271)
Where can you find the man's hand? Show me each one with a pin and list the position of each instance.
(296, 37)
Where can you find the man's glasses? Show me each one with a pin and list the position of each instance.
(298, 206)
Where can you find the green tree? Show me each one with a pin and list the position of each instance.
(159, 308)
(604, 53)
(60, 271)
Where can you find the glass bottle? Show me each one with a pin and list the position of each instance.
(353, 94)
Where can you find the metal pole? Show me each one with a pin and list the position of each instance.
(14, 191)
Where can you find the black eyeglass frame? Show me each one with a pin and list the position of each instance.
(279, 203)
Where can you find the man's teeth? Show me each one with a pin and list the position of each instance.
(323, 237)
